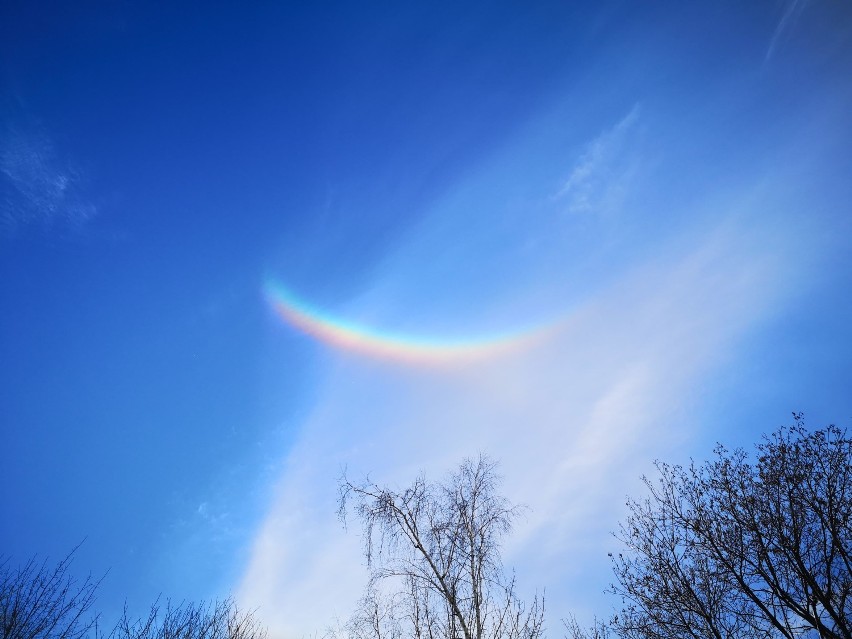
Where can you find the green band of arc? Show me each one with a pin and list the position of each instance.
(350, 336)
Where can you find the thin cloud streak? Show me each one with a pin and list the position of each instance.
(574, 420)
(570, 422)
(785, 23)
(602, 170)
(38, 188)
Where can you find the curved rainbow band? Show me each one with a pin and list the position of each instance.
(348, 336)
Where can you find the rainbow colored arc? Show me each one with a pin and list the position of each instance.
(349, 336)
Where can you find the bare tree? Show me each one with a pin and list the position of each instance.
(38, 601)
(599, 630)
(433, 550)
(42, 602)
(735, 548)
(218, 620)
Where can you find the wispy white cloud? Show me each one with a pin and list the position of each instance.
(601, 174)
(574, 422)
(792, 10)
(569, 423)
(38, 188)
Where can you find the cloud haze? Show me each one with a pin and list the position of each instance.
(574, 236)
(572, 420)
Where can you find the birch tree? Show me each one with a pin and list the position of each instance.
(433, 550)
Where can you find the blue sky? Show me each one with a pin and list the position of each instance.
(659, 192)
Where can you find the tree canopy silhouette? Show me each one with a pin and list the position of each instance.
(434, 554)
(741, 548)
(38, 601)
(218, 620)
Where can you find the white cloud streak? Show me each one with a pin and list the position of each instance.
(791, 13)
(602, 173)
(574, 421)
(38, 188)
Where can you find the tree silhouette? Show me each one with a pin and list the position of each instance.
(740, 548)
(434, 554)
(218, 620)
(42, 602)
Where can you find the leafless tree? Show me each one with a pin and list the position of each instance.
(218, 620)
(740, 548)
(42, 602)
(39, 601)
(433, 550)
(599, 630)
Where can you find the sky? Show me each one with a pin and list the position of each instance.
(244, 247)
